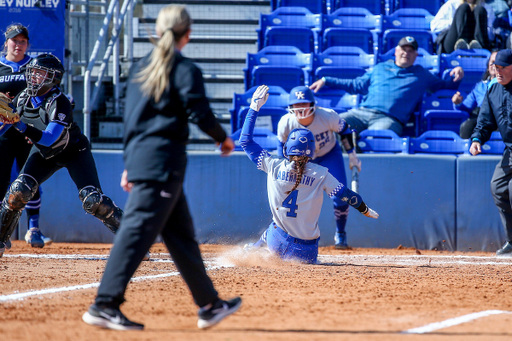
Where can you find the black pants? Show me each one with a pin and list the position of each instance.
(14, 147)
(468, 25)
(467, 127)
(155, 208)
(77, 159)
(501, 188)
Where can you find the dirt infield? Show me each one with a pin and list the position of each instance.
(361, 294)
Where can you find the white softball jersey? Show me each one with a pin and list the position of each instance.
(326, 123)
(297, 213)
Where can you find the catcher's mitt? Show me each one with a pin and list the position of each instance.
(7, 114)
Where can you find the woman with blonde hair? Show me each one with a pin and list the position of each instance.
(164, 91)
(463, 24)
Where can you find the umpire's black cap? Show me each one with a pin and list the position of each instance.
(504, 58)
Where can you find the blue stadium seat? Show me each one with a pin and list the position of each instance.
(288, 17)
(302, 38)
(284, 66)
(474, 63)
(359, 37)
(391, 38)
(408, 18)
(336, 99)
(382, 141)
(439, 142)
(425, 59)
(273, 115)
(353, 17)
(278, 98)
(444, 119)
(439, 101)
(374, 6)
(264, 137)
(315, 6)
(430, 5)
(342, 62)
(495, 144)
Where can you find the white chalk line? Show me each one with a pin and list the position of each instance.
(453, 321)
(414, 260)
(19, 296)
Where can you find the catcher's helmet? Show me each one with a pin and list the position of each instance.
(301, 94)
(301, 142)
(43, 72)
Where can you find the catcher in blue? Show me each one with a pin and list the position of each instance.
(47, 120)
(323, 123)
(295, 189)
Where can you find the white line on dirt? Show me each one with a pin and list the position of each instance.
(453, 322)
(415, 260)
(19, 296)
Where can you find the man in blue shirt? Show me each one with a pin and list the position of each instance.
(391, 90)
(496, 113)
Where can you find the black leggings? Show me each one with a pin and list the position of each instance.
(468, 25)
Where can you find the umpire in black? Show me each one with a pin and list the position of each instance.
(496, 113)
(164, 90)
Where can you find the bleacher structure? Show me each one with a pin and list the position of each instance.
(240, 44)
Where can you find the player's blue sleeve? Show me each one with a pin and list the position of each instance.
(280, 146)
(250, 147)
(352, 198)
(46, 137)
(4, 129)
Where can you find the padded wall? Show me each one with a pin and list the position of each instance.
(479, 225)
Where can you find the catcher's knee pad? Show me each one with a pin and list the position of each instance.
(102, 207)
(20, 192)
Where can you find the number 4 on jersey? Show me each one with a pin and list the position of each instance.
(291, 203)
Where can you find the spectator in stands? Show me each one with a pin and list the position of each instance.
(463, 24)
(495, 114)
(474, 100)
(392, 89)
(500, 8)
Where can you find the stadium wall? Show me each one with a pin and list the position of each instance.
(424, 201)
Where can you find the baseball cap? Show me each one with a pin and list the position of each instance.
(301, 94)
(408, 41)
(16, 31)
(504, 58)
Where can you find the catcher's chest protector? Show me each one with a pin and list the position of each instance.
(38, 117)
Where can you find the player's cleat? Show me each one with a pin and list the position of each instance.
(146, 257)
(8, 244)
(111, 318)
(340, 241)
(46, 240)
(2, 249)
(505, 251)
(218, 311)
(34, 237)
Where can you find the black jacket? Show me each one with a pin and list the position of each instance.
(496, 113)
(155, 134)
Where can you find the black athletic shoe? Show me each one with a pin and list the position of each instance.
(110, 318)
(505, 251)
(219, 310)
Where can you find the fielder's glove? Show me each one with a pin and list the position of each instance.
(7, 114)
(259, 97)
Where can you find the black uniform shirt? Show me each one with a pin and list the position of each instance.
(496, 113)
(55, 107)
(155, 134)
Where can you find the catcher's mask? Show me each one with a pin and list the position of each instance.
(43, 73)
(301, 142)
(301, 94)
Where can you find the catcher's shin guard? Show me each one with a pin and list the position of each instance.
(102, 207)
(9, 220)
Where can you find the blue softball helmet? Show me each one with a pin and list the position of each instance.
(301, 94)
(301, 142)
